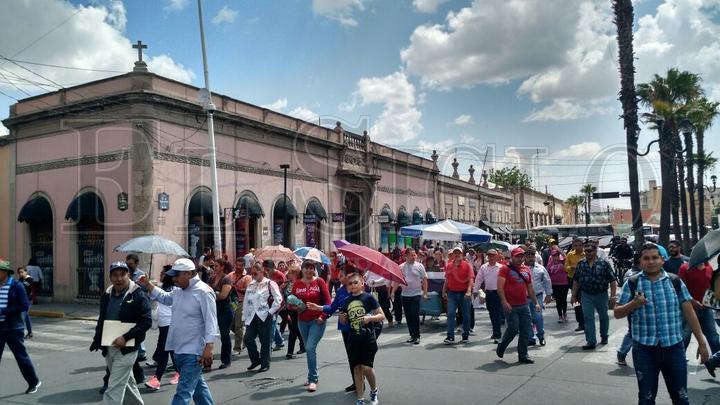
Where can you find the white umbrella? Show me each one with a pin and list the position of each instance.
(152, 244)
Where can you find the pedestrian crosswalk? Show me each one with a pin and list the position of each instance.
(51, 335)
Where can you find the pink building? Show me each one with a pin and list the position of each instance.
(94, 165)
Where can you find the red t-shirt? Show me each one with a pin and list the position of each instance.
(515, 286)
(697, 281)
(334, 271)
(317, 292)
(279, 278)
(457, 276)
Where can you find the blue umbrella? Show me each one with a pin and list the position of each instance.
(312, 253)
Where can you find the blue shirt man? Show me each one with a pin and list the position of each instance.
(656, 311)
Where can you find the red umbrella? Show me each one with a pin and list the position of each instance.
(373, 261)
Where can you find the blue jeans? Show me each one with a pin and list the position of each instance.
(591, 303)
(706, 318)
(537, 318)
(14, 339)
(518, 322)
(495, 310)
(28, 323)
(192, 385)
(455, 300)
(649, 361)
(311, 333)
(277, 336)
(626, 344)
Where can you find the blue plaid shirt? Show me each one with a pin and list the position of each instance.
(660, 321)
(594, 279)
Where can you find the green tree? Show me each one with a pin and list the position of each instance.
(668, 98)
(510, 178)
(624, 15)
(575, 201)
(588, 191)
(702, 112)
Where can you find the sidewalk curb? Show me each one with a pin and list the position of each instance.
(47, 314)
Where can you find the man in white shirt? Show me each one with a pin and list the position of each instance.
(487, 276)
(543, 291)
(193, 329)
(417, 285)
(380, 288)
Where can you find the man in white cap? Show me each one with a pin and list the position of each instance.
(193, 329)
(457, 289)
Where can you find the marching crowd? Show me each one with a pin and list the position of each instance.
(197, 304)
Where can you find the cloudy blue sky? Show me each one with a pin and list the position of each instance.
(526, 82)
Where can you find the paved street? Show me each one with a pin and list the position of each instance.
(430, 373)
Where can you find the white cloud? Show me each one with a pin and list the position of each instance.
(566, 109)
(3, 130)
(176, 5)
(584, 150)
(339, 10)
(226, 15)
(463, 119)
(277, 105)
(400, 119)
(427, 6)
(304, 114)
(92, 39)
(492, 41)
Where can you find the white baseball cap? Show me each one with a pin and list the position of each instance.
(180, 265)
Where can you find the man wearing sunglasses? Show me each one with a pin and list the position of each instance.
(592, 277)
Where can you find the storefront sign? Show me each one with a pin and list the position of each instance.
(461, 200)
(383, 219)
(266, 232)
(163, 201)
(309, 219)
(122, 201)
(338, 217)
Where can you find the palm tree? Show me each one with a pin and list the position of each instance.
(702, 113)
(575, 201)
(588, 191)
(624, 16)
(667, 97)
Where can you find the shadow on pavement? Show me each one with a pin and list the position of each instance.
(295, 395)
(88, 370)
(708, 396)
(622, 371)
(72, 397)
(497, 365)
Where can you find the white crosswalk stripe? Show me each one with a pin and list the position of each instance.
(57, 336)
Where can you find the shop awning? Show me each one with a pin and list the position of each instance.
(36, 210)
(315, 208)
(430, 217)
(403, 217)
(386, 211)
(492, 227)
(289, 207)
(251, 206)
(86, 206)
(417, 217)
(504, 229)
(509, 229)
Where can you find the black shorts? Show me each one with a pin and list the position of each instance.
(362, 350)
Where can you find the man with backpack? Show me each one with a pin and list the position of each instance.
(657, 302)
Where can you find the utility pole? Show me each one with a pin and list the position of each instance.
(210, 109)
(286, 239)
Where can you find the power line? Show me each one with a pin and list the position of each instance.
(66, 67)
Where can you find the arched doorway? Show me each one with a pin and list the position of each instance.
(314, 214)
(352, 217)
(88, 213)
(388, 234)
(37, 214)
(200, 224)
(247, 219)
(284, 214)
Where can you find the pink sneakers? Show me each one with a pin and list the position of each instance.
(175, 378)
(153, 383)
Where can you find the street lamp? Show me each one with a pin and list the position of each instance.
(714, 187)
(285, 168)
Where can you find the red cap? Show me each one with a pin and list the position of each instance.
(518, 251)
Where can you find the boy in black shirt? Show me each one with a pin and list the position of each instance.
(362, 311)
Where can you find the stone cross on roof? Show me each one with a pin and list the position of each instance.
(139, 46)
(140, 65)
